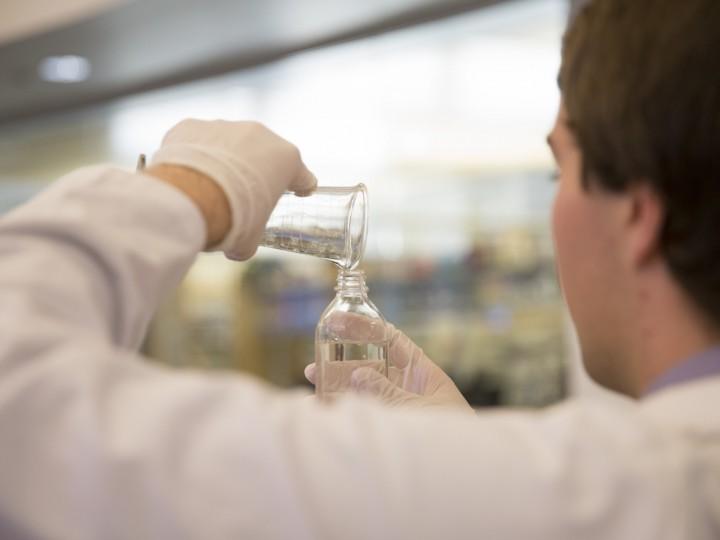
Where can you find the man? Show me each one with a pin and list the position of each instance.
(97, 443)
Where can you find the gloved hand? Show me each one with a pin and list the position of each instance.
(413, 379)
(252, 165)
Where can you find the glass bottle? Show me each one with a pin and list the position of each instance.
(351, 333)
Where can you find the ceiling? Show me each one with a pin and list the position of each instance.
(23, 18)
(145, 44)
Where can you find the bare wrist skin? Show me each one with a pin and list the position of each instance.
(207, 195)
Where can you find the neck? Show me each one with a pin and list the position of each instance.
(351, 283)
(670, 329)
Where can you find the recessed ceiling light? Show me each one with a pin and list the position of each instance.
(64, 69)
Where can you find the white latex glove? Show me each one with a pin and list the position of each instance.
(413, 379)
(253, 165)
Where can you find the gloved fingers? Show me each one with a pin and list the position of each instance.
(370, 381)
(396, 376)
(415, 371)
(186, 130)
(304, 183)
(310, 372)
(402, 351)
(253, 166)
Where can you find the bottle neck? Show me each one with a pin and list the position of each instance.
(351, 283)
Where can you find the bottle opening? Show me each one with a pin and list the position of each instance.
(351, 281)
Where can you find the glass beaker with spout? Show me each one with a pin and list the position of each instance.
(330, 223)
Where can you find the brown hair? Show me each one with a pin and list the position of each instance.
(641, 85)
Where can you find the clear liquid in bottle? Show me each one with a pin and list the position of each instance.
(351, 334)
(338, 359)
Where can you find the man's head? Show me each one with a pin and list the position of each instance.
(638, 143)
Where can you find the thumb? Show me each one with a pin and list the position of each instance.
(304, 183)
(310, 372)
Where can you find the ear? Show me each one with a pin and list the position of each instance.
(644, 223)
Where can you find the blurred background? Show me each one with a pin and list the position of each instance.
(440, 107)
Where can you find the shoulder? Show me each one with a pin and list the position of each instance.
(691, 408)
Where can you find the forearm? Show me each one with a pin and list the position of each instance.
(204, 192)
(95, 254)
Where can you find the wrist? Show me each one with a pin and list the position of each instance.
(207, 195)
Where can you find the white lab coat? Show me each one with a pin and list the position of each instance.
(97, 443)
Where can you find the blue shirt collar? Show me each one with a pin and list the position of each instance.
(705, 364)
